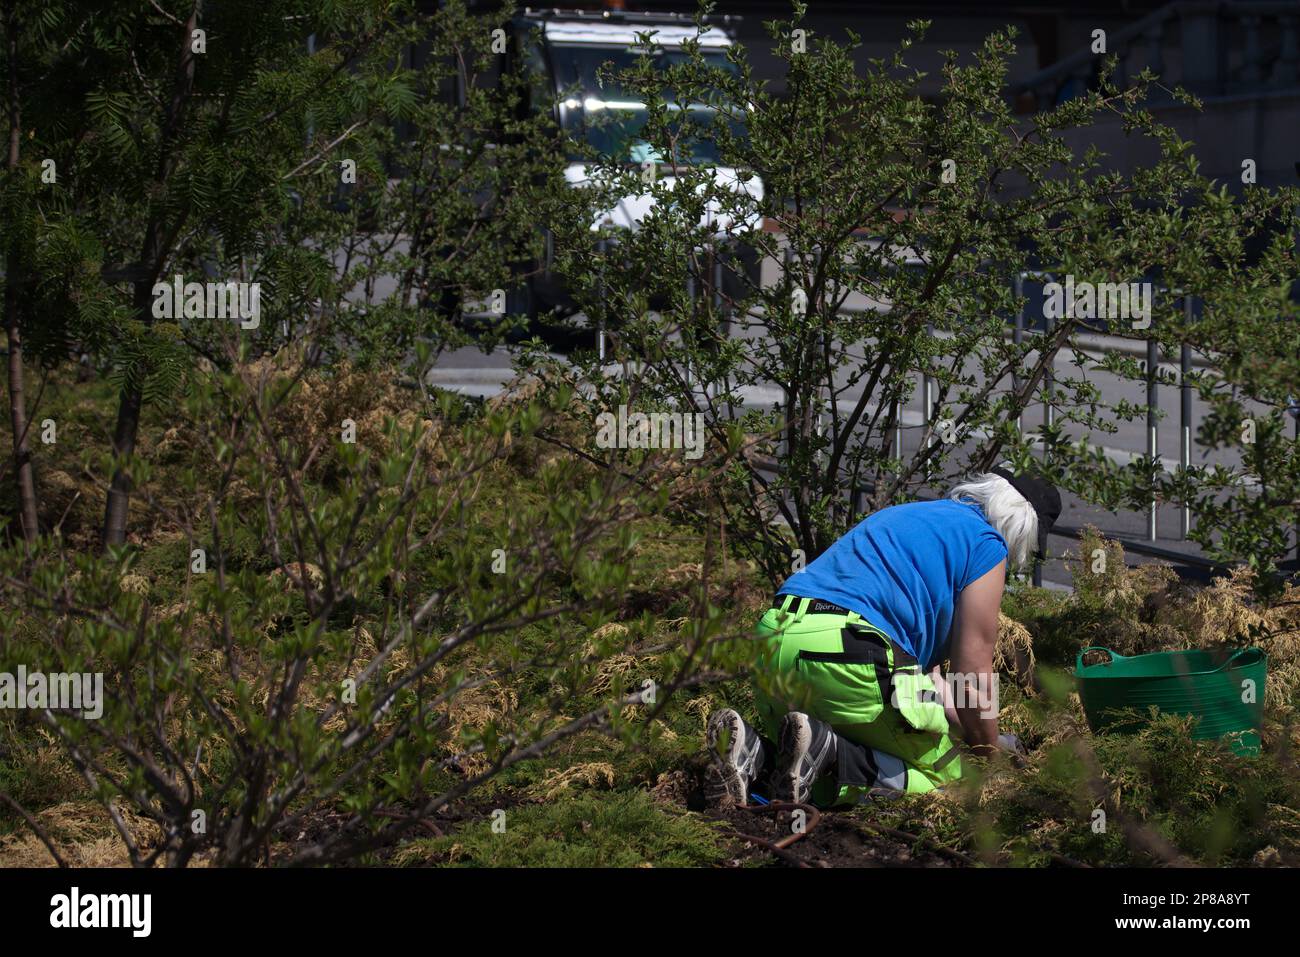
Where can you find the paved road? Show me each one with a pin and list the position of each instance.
(472, 372)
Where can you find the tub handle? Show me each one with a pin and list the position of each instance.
(1078, 662)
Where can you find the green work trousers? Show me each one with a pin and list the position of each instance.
(842, 670)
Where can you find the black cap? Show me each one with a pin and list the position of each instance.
(1042, 495)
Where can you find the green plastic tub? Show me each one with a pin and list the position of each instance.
(1223, 689)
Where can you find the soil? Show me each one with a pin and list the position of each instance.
(839, 839)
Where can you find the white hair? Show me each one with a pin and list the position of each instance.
(1006, 510)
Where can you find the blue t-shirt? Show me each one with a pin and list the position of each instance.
(902, 569)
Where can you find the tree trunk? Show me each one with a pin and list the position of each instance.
(119, 492)
(153, 256)
(13, 333)
(23, 471)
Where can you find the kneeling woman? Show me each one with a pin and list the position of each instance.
(851, 688)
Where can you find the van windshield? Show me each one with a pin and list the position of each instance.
(611, 120)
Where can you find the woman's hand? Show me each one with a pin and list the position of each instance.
(1009, 742)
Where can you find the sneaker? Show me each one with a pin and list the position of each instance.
(735, 758)
(807, 751)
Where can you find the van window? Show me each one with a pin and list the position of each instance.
(610, 119)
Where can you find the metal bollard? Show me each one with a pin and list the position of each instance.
(1049, 385)
(1018, 337)
(1185, 416)
(1153, 447)
(1040, 559)
(690, 297)
(600, 294)
(718, 308)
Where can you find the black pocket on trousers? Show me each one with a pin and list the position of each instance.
(862, 646)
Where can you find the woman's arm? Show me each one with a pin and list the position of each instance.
(972, 658)
(945, 695)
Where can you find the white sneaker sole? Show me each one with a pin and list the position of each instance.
(795, 743)
(725, 783)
